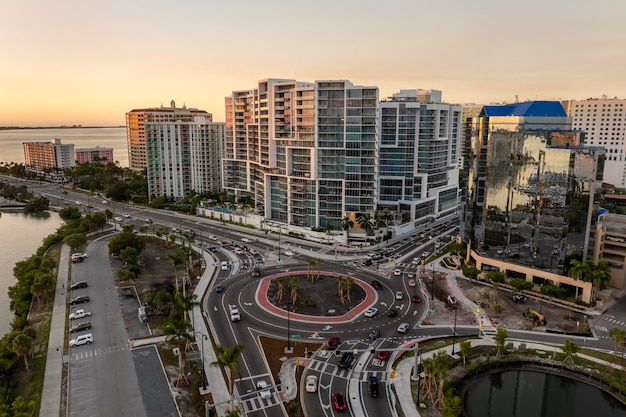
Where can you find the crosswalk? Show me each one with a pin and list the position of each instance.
(255, 403)
(79, 353)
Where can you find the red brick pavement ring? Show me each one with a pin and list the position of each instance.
(261, 298)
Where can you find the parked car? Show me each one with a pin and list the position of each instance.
(80, 327)
(84, 339)
(311, 383)
(339, 402)
(79, 284)
(403, 328)
(371, 312)
(79, 300)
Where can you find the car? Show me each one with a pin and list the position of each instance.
(416, 299)
(119, 219)
(245, 240)
(79, 284)
(66, 202)
(256, 272)
(377, 285)
(397, 272)
(383, 355)
(126, 215)
(339, 402)
(451, 300)
(219, 288)
(79, 300)
(260, 261)
(264, 389)
(80, 255)
(374, 334)
(289, 253)
(403, 328)
(392, 312)
(79, 327)
(372, 386)
(311, 383)
(399, 295)
(78, 203)
(224, 265)
(412, 283)
(77, 260)
(64, 192)
(416, 260)
(425, 254)
(333, 343)
(89, 206)
(367, 262)
(371, 312)
(84, 339)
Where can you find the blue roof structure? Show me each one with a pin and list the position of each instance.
(527, 109)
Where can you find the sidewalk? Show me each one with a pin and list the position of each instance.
(53, 375)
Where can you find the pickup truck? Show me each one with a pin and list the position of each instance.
(79, 314)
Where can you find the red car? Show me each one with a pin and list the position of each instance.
(333, 343)
(416, 299)
(339, 402)
(383, 355)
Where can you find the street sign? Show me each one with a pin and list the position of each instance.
(295, 336)
(431, 311)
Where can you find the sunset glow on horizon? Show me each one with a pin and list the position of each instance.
(85, 63)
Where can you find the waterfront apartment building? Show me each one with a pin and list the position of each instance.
(135, 127)
(418, 167)
(604, 122)
(39, 156)
(306, 153)
(97, 154)
(531, 193)
(183, 156)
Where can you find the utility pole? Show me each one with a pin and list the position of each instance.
(279, 233)
(454, 334)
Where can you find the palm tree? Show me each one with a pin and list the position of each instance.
(348, 285)
(328, 229)
(569, 348)
(441, 370)
(229, 359)
(429, 381)
(293, 289)
(600, 273)
(176, 259)
(577, 271)
(366, 223)
(341, 291)
(186, 303)
(179, 330)
(21, 345)
(618, 335)
(346, 225)
(310, 262)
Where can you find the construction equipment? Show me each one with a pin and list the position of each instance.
(535, 316)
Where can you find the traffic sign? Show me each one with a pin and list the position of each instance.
(295, 336)
(431, 311)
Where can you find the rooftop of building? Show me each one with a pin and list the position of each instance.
(527, 109)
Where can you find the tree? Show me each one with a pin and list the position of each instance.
(328, 229)
(125, 275)
(618, 335)
(280, 289)
(179, 330)
(229, 359)
(186, 303)
(75, 240)
(176, 260)
(293, 289)
(366, 223)
(346, 225)
(466, 349)
(124, 240)
(577, 271)
(570, 349)
(452, 405)
(500, 338)
(21, 345)
(599, 273)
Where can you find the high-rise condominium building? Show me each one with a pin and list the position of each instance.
(183, 156)
(604, 123)
(135, 128)
(418, 169)
(97, 154)
(531, 193)
(304, 152)
(39, 156)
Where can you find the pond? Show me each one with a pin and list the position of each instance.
(522, 393)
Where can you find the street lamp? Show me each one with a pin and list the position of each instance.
(419, 378)
(454, 334)
(288, 327)
(202, 374)
(279, 233)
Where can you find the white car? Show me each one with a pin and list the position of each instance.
(79, 256)
(416, 260)
(397, 272)
(399, 295)
(264, 390)
(289, 253)
(412, 283)
(82, 340)
(78, 203)
(311, 383)
(126, 215)
(371, 312)
(403, 328)
(425, 254)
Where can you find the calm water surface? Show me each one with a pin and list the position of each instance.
(535, 394)
(12, 149)
(21, 235)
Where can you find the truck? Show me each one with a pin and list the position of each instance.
(79, 314)
(535, 316)
(234, 312)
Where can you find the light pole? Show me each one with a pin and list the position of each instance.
(419, 379)
(279, 233)
(454, 334)
(202, 374)
(288, 327)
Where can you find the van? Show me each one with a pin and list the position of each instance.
(346, 360)
(224, 265)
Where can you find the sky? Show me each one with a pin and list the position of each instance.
(70, 62)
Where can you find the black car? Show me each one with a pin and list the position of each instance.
(80, 300)
(367, 262)
(346, 360)
(392, 312)
(79, 284)
(374, 334)
(377, 285)
(372, 386)
(256, 272)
